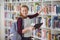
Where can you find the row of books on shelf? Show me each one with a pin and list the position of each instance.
(8, 23)
(52, 36)
(17, 6)
(34, 7)
(11, 15)
(56, 22)
(53, 22)
(20, 0)
(56, 36)
(37, 33)
(6, 38)
(48, 35)
(7, 33)
(8, 7)
(52, 9)
(27, 0)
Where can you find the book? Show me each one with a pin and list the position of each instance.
(13, 0)
(36, 0)
(45, 10)
(53, 9)
(9, 15)
(8, 23)
(10, 7)
(6, 37)
(39, 20)
(56, 22)
(18, 7)
(7, 0)
(43, 34)
(38, 32)
(49, 35)
(5, 6)
(5, 31)
(58, 9)
(56, 36)
(37, 7)
(48, 21)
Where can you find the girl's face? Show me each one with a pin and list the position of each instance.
(24, 11)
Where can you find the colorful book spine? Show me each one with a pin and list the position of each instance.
(39, 19)
(48, 21)
(58, 9)
(49, 35)
(56, 22)
(5, 7)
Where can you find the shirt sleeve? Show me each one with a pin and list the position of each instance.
(19, 26)
(32, 16)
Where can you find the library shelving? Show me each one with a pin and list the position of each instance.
(50, 16)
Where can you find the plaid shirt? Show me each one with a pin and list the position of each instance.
(20, 22)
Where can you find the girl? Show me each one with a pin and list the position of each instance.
(20, 26)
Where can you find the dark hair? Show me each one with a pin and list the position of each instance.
(25, 6)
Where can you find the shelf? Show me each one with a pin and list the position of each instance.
(56, 29)
(46, 28)
(9, 11)
(54, 14)
(49, 14)
(9, 19)
(53, 29)
(7, 27)
(51, 0)
(24, 2)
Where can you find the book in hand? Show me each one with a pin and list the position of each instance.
(36, 26)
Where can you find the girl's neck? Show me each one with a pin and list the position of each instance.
(22, 16)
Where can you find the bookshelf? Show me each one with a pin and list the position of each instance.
(51, 21)
(50, 17)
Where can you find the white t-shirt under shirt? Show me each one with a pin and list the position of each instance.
(27, 24)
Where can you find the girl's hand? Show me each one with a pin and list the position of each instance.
(27, 29)
(42, 9)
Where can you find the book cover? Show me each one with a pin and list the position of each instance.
(58, 9)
